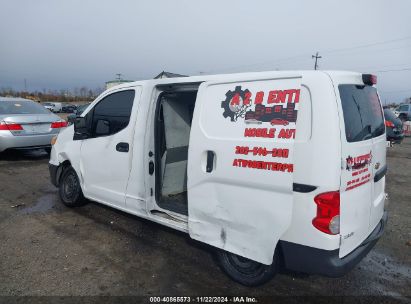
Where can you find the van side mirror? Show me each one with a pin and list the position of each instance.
(80, 128)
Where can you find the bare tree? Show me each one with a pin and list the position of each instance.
(83, 92)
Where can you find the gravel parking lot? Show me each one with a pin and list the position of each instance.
(48, 249)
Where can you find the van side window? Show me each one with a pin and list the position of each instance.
(111, 114)
(363, 116)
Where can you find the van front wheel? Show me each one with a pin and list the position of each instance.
(70, 189)
(246, 271)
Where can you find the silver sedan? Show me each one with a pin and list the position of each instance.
(25, 124)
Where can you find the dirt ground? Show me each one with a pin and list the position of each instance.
(48, 249)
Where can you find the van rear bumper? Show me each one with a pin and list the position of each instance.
(327, 262)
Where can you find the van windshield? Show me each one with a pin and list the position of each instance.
(363, 116)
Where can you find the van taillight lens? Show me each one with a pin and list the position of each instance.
(328, 212)
(58, 124)
(10, 126)
(389, 124)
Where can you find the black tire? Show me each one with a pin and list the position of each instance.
(70, 190)
(245, 271)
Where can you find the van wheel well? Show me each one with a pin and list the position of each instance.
(63, 166)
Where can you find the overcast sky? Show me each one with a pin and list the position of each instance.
(67, 44)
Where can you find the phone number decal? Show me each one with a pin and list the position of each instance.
(262, 151)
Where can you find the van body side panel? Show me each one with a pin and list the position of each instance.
(317, 159)
(139, 185)
(239, 182)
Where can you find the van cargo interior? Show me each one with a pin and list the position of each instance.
(173, 124)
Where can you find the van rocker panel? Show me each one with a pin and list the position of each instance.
(327, 262)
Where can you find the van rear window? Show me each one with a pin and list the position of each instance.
(363, 116)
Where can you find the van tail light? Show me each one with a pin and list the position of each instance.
(389, 124)
(10, 126)
(369, 79)
(59, 124)
(328, 212)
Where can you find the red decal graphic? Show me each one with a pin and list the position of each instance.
(287, 133)
(268, 114)
(247, 99)
(263, 165)
(297, 96)
(283, 96)
(235, 101)
(358, 162)
(360, 172)
(259, 132)
(279, 122)
(262, 151)
(357, 185)
(238, 104)
(259, 98)
(359, 180)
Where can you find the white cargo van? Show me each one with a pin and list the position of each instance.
(273, 169)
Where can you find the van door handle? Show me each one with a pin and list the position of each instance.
(380, 173)
(122, 147)
(151, 167)
(210, 161)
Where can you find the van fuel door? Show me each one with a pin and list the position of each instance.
(240, 164)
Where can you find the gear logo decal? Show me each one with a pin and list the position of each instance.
(280, 108)
(235, 105)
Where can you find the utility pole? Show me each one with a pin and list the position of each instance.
(316, 58)
(25, 85)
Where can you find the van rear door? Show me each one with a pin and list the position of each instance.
(240, 163)
(363, 155)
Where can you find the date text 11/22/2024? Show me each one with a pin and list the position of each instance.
(205, 299)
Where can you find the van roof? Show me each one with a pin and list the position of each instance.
(268, 74)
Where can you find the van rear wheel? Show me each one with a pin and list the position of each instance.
(245, 271)
(70, 189)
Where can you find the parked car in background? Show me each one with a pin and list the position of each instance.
(393, 126)
(48, 105)
(69, 108)
(53, 106)
(79, 110)
(404, 112)
(25, 124)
